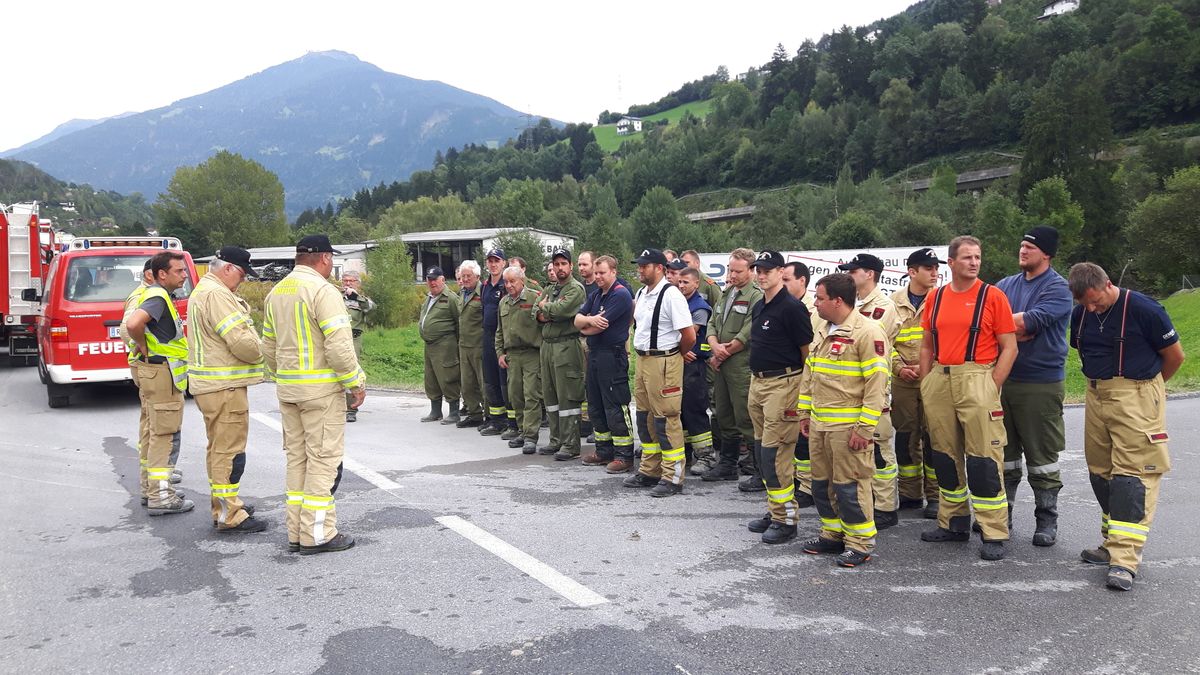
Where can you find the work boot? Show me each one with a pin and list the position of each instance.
(591, 438)
(1119, 579)
(509, 434)
(706, 458)
(515, 442)
(247, 526)
(619, 466)
(852, 558)
(453, 417)
(941, 534)
(886, 519)
(778, 533)
(293, 547)
(752, 483)
(821, 545)
(435, 411)
(726, 466)
(991, 550)
(547, 450)
(564, 456)
(176, 476)
(248, 508)
(759, 525)
(911, 503)
(639, 480)
(528, 447)
(592, 459)
(1095, 556)
(175, 504)
(666, 488)
(1045, 513)
(351, 416)
(803, 499)
(468, 422)
(931, 509)
(747, 461)
(341, 542)
(491, 429)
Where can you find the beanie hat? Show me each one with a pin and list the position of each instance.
(1045, 238)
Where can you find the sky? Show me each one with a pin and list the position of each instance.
(564, 60)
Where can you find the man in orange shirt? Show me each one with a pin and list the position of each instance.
(969, 348)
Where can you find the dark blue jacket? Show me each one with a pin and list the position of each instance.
(1046, 302)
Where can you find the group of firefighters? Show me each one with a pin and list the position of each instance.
(850, 400)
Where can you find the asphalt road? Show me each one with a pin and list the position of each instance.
(616, 582)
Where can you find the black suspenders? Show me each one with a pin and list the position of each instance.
(654, 321)
(1123, 298)
(976, 320)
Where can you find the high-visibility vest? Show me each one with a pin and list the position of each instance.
(175, 351)
(131, 303)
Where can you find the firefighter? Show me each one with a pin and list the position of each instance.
(918, 482)
(502, 417)
(224, 359)
(1129, 350)
(470, 344)
(842, 393)
(729, 337)
(562, 357)
(308, 347)
(796, 276)
(160, 352)
(605, 319)
(131, 303)
(781, 335)
(710, 289)
(694, 415)
(664, 332)
(518, 341)
(969, 346)
(1033, 395)
(357, 305)
(873, 303)
(439, 330)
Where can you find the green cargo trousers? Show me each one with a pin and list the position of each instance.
(525, 390)
(1033, 419)
(731, 391)
(562, 391)
(441, 369)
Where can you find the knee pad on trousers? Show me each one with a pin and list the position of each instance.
(947, 473)
(847, 497)
(901, 445)
(175, 442)
(880, 462)
(766, 466)
(1128, 496)
(820, 495)
(642, 427)
(960, 523)
(239, 466)
(1100, 487)
(983, 476)
(336, 479)
(660, 429)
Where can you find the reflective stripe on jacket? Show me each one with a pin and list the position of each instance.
(225, 351)
(845, 381)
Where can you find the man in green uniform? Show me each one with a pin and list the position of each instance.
(357, 306)
(439, 330)
(470, 344)
(518, 339)
(562, 357)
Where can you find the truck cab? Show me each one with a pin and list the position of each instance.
(87, 283)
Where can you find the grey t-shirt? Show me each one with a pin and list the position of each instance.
(161, 324)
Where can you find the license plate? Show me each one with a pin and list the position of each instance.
(114, 332)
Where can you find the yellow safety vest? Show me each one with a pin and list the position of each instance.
(175, 351)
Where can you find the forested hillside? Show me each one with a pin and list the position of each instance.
(944, 78)
(94, 210)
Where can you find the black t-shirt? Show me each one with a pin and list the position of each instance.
(1148, 329)
(617, 306)
(161, 324)
(781, 328)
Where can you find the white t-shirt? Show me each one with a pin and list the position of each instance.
(673, 316)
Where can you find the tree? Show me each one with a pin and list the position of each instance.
(854, 230)
(522, 204)
(1049, 203)
(389, 282)
(225, 200)
(999, 225)
(655, 218)
(523, 244)
(1166, 227)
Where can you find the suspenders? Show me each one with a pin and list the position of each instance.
(1122, 298)
(976, 320)
(654, 321)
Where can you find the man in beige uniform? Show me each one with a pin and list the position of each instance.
(309, 350)
(224, 358)
(874, 304)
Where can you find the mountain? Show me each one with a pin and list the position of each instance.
(78, 209)
(68, 127)
(327, 124)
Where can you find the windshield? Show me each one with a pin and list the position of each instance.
(108, 278)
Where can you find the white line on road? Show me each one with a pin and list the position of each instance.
(551, 578)
(546, 575)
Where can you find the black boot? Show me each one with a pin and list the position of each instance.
(435, 411)
(1045, 513)
(753, 482)
(726, 468)
(1010, 490)
(453, 417)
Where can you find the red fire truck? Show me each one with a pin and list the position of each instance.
(23, 261)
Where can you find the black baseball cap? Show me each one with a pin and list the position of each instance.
(651, 256)
(677, 264)
(236, 255)
(560, 253)
(315, 243)
(496, 253)
(924, 257)
(768, 260)
(863, 261)
(434, 272)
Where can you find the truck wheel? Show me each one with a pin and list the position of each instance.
(58, 395)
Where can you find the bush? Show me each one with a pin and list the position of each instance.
(389, 283)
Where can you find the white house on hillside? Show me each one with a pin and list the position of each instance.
(628, 125)
(1058, 7)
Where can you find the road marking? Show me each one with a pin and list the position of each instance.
(548, 576)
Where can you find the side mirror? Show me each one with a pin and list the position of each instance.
(30, 295)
